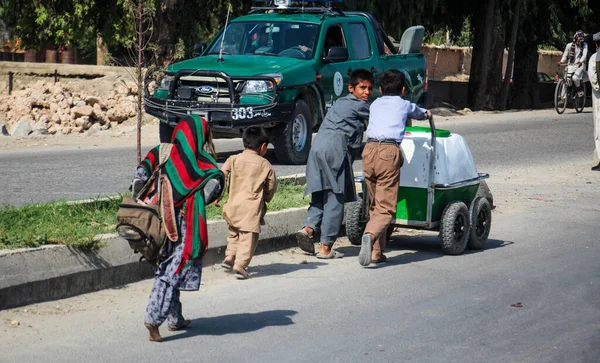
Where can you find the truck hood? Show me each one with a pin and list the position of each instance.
(238, 65)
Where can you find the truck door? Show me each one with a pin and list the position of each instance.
(363, 50)
(334, 76)
(355, 37)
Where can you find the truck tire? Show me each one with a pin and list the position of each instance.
(480, 212)
(484, 191)
(455, 228)
(165, 132)
(292, 140)
(354, 221)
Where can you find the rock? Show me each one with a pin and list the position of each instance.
(79, 103)
(70, 101)
(105, 127)
(38, 131)
(92, 100)
(53, 129)
(79, 111)
(55, 118)
(14, 323)
(22, 128)
(3, 130)
(93, 130)
(53, 107)
(66, 130)
(44, 119)
(77, 130)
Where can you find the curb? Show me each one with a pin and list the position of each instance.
(56, 272)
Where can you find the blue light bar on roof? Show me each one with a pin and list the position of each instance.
(289, 3)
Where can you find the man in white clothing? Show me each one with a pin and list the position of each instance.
(574, 56)
(595, 81)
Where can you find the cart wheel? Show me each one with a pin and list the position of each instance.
(481, 223)
(484, 191)
(455, 228)
(355, 225)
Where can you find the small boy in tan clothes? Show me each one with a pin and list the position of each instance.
(252, 184)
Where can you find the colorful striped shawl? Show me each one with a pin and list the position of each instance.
(188, 168)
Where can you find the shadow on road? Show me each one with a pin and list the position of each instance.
(283, 268)
(422, 248)
(236, 323)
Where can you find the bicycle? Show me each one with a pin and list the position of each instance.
(570, 93)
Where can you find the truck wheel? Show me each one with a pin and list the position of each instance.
(455, 228)
(481, 223)
(292, 140)
(355, 225)
(165, 132)
(484, 191)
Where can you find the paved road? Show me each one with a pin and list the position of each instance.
(531, 296)
(494, 139)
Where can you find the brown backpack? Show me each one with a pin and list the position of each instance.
(142, 224)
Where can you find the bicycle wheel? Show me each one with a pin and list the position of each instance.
(580, 100)
(560, 103)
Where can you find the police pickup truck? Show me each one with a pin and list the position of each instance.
(281, 67)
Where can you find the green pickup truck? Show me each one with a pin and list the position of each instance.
(281, 67)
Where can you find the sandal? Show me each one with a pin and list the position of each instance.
(333, 254)
(241, 275)
(305, 242)
(366, 247)
(382, 259)
(226, 265)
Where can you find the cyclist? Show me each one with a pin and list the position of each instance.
(574, 56)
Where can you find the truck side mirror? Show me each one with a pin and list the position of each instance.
(337, 54)
(198, 49)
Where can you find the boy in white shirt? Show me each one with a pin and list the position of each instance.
(382, 159)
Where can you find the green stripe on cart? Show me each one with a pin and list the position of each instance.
(412, 202)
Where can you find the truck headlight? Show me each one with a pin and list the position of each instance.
(165, 83)
(261, 86)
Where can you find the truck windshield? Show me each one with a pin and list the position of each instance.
(295, 40)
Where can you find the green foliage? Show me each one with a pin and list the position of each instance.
(77, 224)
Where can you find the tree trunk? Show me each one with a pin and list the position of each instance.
(494, 74)
(526, 94)
(511, 55)
(483, 25)
(165, 32)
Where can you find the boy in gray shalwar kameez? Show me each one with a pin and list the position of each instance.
(329, 175)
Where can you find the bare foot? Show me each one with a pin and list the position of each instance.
(325, 249)
(181, 326)
(154, 333)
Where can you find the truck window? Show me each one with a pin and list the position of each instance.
(333, 38)
(361, 48)
(285, 39)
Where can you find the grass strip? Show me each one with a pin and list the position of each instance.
(35, 225)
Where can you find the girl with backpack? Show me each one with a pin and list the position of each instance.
(190, 179)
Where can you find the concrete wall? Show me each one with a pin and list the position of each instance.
(445, 62)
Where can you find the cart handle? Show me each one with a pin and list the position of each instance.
(431, 176)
